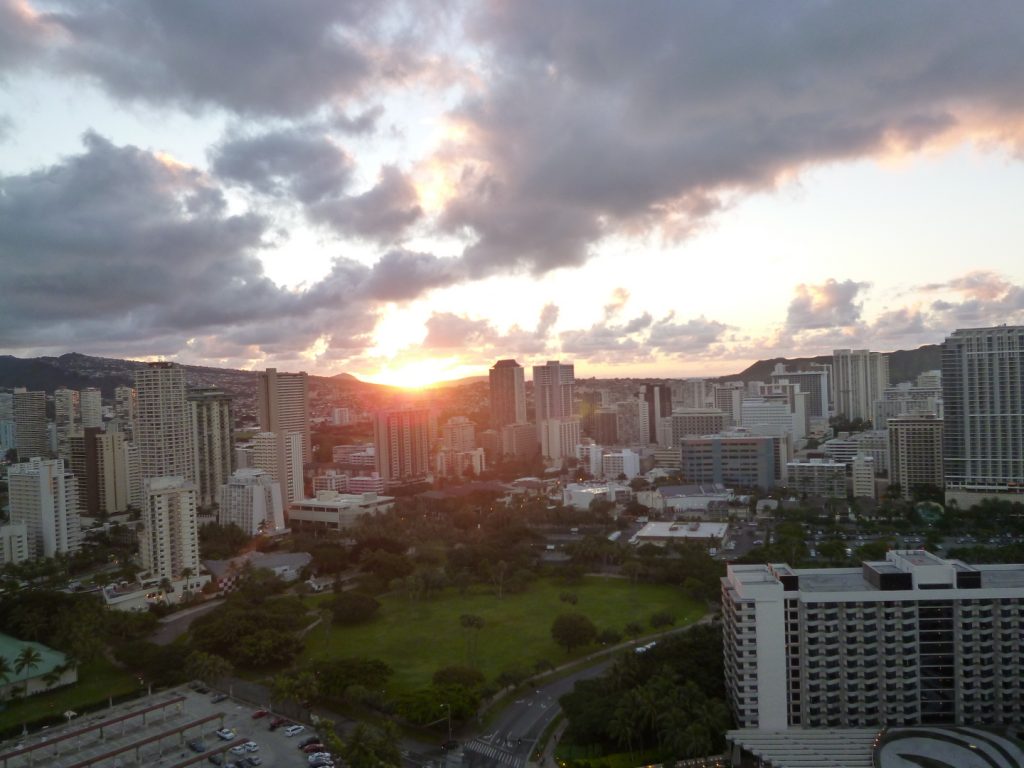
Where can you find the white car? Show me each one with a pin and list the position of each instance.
(226, 733)
(237, 750)
(294, 730)
(319, 757)
(251, 746)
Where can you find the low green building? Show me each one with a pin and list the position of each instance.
(32, 668)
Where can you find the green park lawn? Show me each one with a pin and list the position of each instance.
(418, 638)
(97, 682)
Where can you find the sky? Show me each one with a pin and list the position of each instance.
(409, 191)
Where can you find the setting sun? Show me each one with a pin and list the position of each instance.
(419, 374)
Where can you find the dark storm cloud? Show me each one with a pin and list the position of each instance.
(249, 56)
(116, 244)
(608, 116)
(829, 305)
(382, 213)
(23, 34)
(304, 164)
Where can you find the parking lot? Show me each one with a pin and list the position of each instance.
(156, 731)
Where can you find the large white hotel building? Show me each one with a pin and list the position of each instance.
(913, 639)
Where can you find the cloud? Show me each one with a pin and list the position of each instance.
(306, 165)
(24, 34)
(599, 118)
(249, 56)
(116, 245)
(383, 213)
(477, 336)
(829, 305)
(695, 336)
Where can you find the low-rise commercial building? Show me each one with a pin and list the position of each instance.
(331, 511)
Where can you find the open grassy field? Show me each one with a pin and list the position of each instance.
(417, 638)
(97, 681)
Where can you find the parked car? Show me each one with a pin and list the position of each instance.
(309, 740)
(251, 746)
(216, 759)
(217, 698)
(311, 749)
(259, 713)
(254, 760)
(196, 745)
(294, 730)
(319, 756)
(226, 733)
(238, 749)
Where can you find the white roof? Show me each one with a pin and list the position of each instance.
(682, 531)
(809, 748)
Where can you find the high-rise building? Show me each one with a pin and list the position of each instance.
(729, 459)
(903, 399)
(83, 461)
(44, 497)
(91, 404)
(690, 393)
(508, 394)
(628, 423)
(693, 422)
(553, 391)
(169, 540)
(125, 409)
(163, 431)
(133, 471)
(817, 477)
(624, 462)
(558, 439)
(873, 443)
(66, 410)
(728, 398)
(114, 483)
(859, 378)
(520, 440)
(606, 426)
(13, 544)
(6, 406)
(30, 424)
(401, 440)
(915, 453)
(909, 640)
(252, 500)
(983, 399)
(862, 472)
(655, 404)
(213, 441)
(458, 434)
(283, 411)
(289, 472)
(816, 382)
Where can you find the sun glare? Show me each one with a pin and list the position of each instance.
(419, 374)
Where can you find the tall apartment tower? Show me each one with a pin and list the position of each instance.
(44, 498)
(284, 467)
(91, 403)
(83, 462)
(458, 434)
(114, 483)
(815, 382)
(655, 404)
(169, 540)
(859, 377)
(983, 397)
(915, 452)
(508, 394)
(909, 640)
(66, 410)
(31, 437)
(213, 441)
(552, 391)
(284, 410)
(401, 440)
(125, 409)
(251, 499)
(163, 431)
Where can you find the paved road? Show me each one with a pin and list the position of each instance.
(514, 734)
(173, 626)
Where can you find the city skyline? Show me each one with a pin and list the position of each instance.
(410, 192)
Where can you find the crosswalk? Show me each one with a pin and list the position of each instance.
(478, 754)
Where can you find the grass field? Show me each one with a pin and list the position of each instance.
(417, 638)
(97, 682)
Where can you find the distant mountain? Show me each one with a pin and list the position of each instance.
(344, 377)
(904, 364)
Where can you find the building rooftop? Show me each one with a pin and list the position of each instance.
(681, 531)
(270, 561)
(49, 659)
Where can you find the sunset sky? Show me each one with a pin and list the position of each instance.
(409, 191)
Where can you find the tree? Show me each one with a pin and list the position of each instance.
(573, 630)
(353, 608)
(28, 659)
(208, 667)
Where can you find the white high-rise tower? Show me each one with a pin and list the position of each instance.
(163, 431)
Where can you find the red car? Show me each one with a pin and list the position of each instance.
(311, 748)
(259, 713)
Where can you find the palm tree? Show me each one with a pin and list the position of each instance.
(28, 659)
(5, 669)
